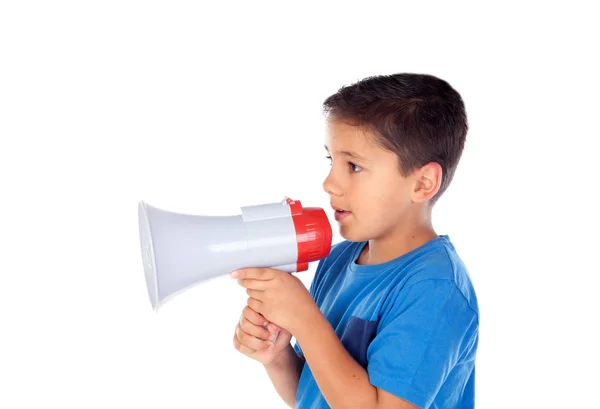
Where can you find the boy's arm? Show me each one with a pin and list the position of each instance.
(342, 381)
(284, 373)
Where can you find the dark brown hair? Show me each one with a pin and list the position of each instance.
(419, 117)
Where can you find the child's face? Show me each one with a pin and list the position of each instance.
(369, 187)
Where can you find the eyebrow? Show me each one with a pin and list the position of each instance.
(348, 153)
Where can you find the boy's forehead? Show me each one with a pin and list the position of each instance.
(340, 136)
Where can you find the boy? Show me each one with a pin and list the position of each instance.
(391, 319)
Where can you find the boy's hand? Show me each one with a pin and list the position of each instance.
(278, 296)
(253, 340)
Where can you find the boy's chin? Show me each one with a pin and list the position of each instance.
(352, 235)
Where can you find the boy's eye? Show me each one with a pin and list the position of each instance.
(354, 167)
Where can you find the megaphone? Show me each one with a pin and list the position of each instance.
(180, 250)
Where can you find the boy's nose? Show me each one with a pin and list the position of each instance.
(331, 188)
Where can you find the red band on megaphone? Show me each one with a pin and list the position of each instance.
(313, 233)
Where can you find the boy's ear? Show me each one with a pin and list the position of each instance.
(427, 179)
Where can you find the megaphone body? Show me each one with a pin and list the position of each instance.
(180, 250)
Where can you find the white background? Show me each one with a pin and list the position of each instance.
(206, 108)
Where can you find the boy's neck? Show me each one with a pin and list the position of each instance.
(399, 242)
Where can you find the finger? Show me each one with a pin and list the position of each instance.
(250, 341)
(254, 317)
(255, 304)
(258, 319)
(241, 347)
(273, 328)
(255, 294)
(260, 285)
(254, 273)
(256, 330)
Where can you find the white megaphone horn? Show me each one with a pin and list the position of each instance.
(181, 250)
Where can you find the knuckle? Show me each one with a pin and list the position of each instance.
(245, 326)
(262, 333)
(253, 315)
(243, 341)
(242, 336)
(247, 339)
(249, 313)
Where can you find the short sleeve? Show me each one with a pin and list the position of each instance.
(298, 350)
(420, 338)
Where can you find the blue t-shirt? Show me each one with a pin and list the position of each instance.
(412, 323)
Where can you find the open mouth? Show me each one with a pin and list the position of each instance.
(340, 213)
